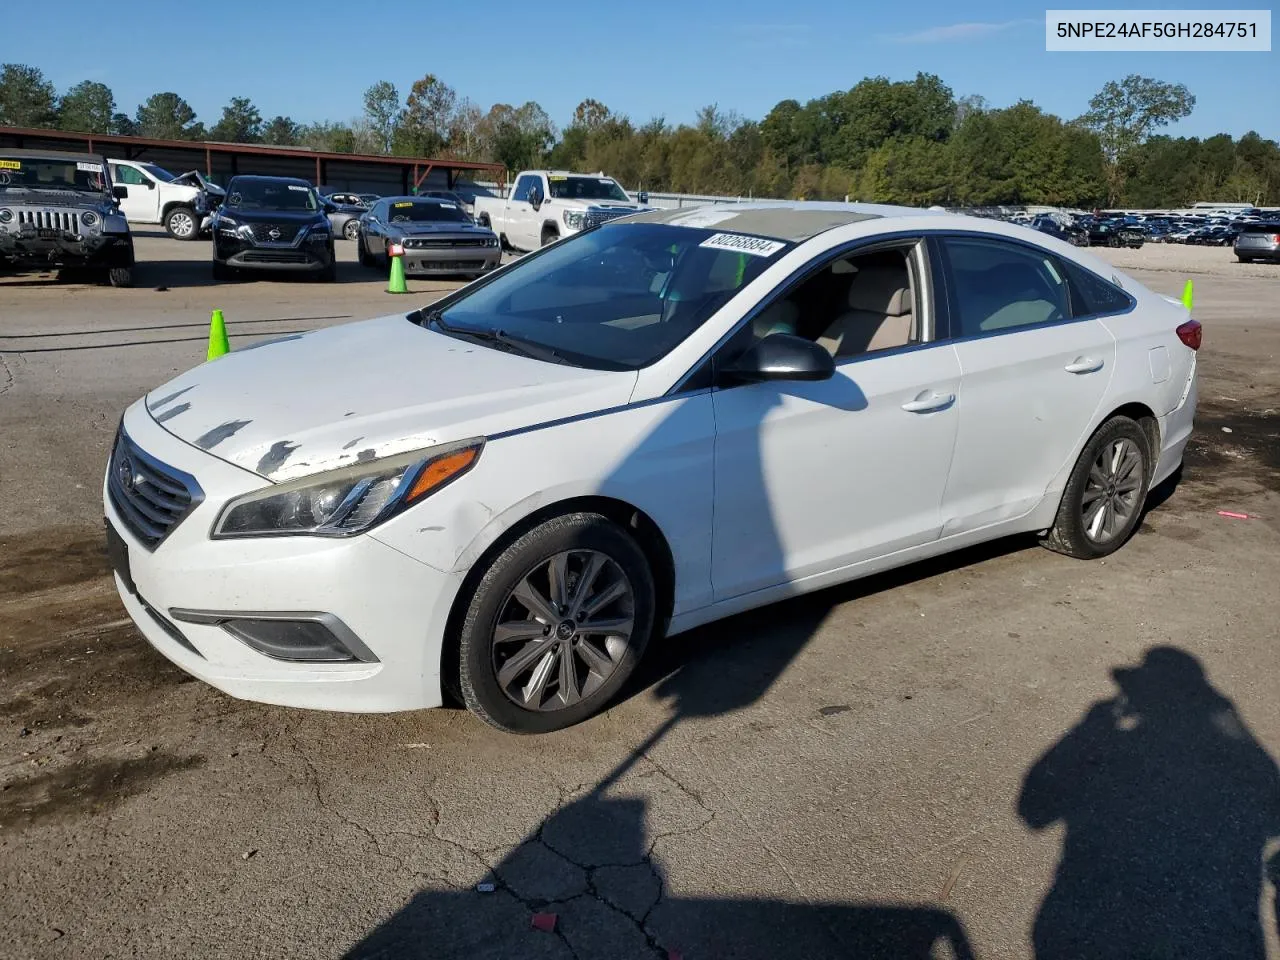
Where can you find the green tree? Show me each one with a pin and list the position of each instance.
(382, 113)
(240, 122)
(27, 99)
(1125, 113)
(88, 107)
(281, 131)
(166, 116)
(123, 125)
(423, 129)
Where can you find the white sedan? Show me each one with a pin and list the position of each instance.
(656, 423)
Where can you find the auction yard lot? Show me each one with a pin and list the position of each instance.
(838, 775)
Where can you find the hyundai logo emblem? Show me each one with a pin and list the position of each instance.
(274, 233)
(124, 471)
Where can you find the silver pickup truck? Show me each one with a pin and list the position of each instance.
(60, 210)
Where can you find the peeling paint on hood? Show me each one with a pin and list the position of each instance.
(284, 410)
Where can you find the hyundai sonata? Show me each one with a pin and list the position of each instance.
(503, 497)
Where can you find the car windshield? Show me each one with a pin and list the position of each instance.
(50, 173)
(618, 297)
(160, 173)
(586, 188)
(272, 195)
(417, 211)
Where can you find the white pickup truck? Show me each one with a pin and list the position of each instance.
(157, 196)
(546, 205)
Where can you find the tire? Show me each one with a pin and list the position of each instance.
(366, 258)
(120, 276)
(330, 273)
(1071, 533)
(1245, 259)
(525, 565)
(549, 236)
(351, 230)
(221, 271)
(181, 223)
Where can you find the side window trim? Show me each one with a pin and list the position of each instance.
(944, 269)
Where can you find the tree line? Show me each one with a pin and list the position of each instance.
(913, 142)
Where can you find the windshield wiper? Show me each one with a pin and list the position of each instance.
(514, 344)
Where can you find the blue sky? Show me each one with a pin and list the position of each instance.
(658, 58)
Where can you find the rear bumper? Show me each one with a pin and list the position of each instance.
(1175, 430)
(1269, 252)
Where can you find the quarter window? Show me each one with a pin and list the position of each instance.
(998, 286)
(1090, 294)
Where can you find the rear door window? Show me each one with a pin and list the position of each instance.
(998, 286)
(1090, 294)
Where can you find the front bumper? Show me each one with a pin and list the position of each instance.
(396, 606)
(437, 261)
(304, 257)
(98, 250)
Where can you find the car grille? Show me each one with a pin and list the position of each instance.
(593, 218)
(151, 497)
(419, 243)
(287, 231)
(65, 220)
(274, 256)
(448, 265)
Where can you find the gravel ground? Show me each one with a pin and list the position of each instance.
(951, 756)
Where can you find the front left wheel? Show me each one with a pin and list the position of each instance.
(556, 625)
(120, 276)
(181, 223)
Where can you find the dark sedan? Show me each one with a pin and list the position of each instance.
(436, 235)
(272, 223)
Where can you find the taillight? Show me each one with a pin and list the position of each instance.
(1190, 333)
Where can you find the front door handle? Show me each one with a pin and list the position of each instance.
(929, 401)
(1083, 365)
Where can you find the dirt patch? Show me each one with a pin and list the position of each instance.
(85, 788)
(54, 558)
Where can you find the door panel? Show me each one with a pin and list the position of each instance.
(142, 204)
(1032, 379)
(811, 477)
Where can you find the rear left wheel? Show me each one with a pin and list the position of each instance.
(556, 625)
(351, 230)
(1103, 499)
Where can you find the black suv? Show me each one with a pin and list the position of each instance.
(272, 223)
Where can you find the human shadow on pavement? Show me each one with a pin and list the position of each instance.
(591, 861)
(1167, 802)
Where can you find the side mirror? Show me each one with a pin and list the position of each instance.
(781, 356)
(535, 197)
(120, 191)
(642, 197)
(151, 184)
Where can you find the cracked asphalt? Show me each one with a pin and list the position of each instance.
(1003, 753)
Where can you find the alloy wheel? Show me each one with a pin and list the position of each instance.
(182, 224)
(1110, 498)
(562, 630)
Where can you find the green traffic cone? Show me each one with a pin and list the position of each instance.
(396, 284)
(218, 343)
(1187, 294)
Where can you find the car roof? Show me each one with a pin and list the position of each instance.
(794, 221)
(52, 155)
(419, 198)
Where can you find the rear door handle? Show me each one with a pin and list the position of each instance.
(1084, 365)
(928, 401)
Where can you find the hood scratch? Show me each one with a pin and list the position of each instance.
(274, 458)
(173, 412)
(170, 398)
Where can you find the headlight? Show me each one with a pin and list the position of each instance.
(340, 503)
(491, 241)
(88, 218)
(6, 215)
(574, 219)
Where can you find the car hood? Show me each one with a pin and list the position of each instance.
(53, 198)
(329, 398)
(273, 216)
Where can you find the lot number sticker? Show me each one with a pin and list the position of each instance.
(88, 167)
(741, 243)
(10, 165)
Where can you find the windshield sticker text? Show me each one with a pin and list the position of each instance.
(88, 167)
(294, 186)
(403, 203)
(449, 206)
(557, 179)
(740, 243)
(10, 165)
